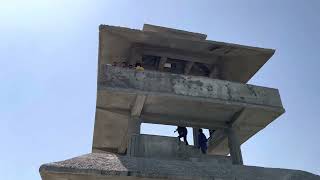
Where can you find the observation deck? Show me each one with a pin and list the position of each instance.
(182, 100)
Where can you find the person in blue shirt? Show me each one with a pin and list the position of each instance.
(202, 140)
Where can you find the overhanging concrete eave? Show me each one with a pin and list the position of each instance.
(172, 109)
(135, 35)
(161, 108)
(175, 97)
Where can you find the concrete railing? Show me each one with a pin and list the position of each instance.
(163, 147)
(192, 86)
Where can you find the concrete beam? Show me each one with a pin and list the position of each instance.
(176, 54)
(138, 105)
(182, 121)
(172, 120)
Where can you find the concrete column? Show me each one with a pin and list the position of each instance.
(163, 60)
(214, 72)
(188, 67)
(234, 146)
(135, 56)
(195, 136)
(134, 125)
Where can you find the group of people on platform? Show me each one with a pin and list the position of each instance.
(202, 139)
(138, 66)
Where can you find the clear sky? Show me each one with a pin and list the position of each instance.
(48, 70)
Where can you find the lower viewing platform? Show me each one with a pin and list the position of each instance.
(126, 98)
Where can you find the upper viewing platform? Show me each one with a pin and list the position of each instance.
(180, 52)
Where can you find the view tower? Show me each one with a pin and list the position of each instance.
(187, 81)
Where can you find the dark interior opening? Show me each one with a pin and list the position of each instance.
(176, 66)
(200, 69)
(150, 62)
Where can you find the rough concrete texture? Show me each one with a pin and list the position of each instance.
(111, 166)
(163, 147)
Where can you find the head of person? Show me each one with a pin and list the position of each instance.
(138, 65)
(114, 63)
(200, 130)
(124, 64)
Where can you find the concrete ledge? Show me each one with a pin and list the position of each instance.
(112, 166)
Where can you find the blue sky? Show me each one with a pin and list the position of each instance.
(48, 60)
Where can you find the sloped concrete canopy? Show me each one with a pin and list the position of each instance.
(174, 99)
(237, 63)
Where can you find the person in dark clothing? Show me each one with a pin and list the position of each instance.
(202, 140)
(182, 131)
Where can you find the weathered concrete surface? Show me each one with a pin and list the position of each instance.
(180, 100)
(163, 147)
(238, 63)
(191, 86)
(111, 166)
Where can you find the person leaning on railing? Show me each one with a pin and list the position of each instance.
(139, 67)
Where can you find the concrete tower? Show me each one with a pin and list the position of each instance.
(187, 81)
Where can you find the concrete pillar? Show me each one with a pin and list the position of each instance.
(214, 71)
(134, 126)
(135, 56)
(188, 67)
(163, 60)
(195, 136)
(234, 146)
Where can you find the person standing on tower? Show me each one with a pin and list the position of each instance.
(182, 131)
(202, 140)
